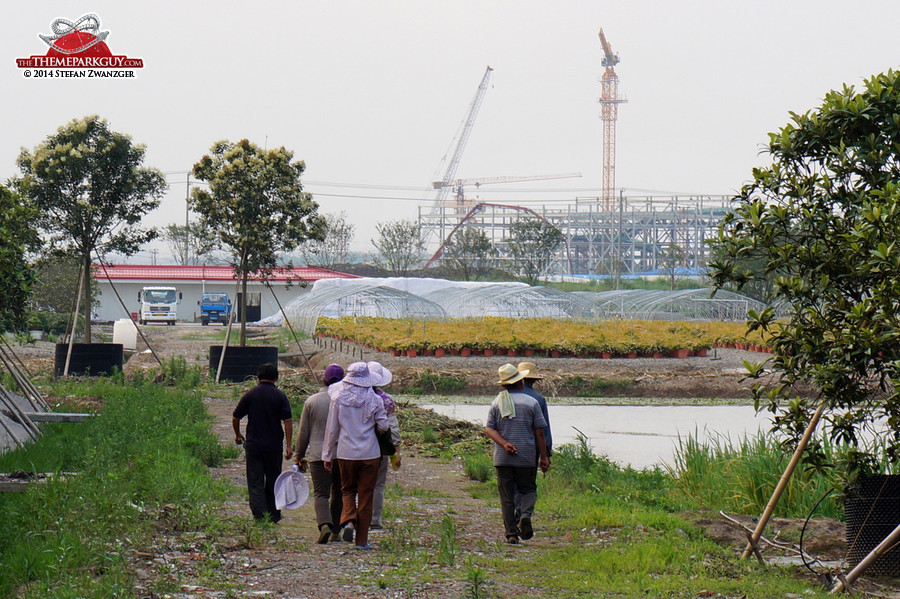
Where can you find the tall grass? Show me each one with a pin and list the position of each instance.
(148, 447)
(739, 476)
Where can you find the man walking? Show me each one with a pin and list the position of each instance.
(515, 425)
(308, 454)
(528, 389)
(267, 410)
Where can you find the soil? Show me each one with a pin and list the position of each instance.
(422, 492)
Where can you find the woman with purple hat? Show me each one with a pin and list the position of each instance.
(356, 413)
(385, 378)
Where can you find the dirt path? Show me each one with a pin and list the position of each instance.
(420, 494)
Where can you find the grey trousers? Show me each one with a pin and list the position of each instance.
(327, 493)
(380, 485)
(511, 479)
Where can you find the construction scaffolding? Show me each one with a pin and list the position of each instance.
(633, 238)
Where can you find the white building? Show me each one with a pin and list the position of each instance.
(126, 280)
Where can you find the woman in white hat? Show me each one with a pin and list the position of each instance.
(389, 406)
(356, 412)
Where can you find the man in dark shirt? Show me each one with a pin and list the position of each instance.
(267, 410)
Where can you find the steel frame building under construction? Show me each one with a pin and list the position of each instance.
(633, 238)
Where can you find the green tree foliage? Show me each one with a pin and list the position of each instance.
(400, 246)
(91, 191)
(334, 247)
(469, 254)
(672, 258)
(824, 222)
(531, 245)
(18, 236)
(255, 206)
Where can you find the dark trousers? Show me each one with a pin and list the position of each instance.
(512, 479)
(327, 493)
(263, 467)
(358, 478)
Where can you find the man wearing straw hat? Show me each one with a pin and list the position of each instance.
(515, 424)
(528, 389)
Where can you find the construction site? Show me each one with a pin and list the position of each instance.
(612, 234)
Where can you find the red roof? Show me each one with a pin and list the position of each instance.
(178, 272)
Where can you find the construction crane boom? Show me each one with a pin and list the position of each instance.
(459, 184)
(450, 174)
(609, 59)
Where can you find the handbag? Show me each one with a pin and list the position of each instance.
(385, 443)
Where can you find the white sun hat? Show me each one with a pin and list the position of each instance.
(291, 490)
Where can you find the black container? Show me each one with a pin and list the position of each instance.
(872, 512)
(240, 363)
(88, 359)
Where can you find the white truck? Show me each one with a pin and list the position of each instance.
(158, 304)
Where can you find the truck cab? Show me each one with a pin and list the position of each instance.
(214, 307)
(158, 304)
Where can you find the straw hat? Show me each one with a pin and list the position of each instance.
(509, 375)
(359, 374)
(380, 371)
(291, 490)
(531, 369)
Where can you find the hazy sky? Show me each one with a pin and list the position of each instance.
(371, 94)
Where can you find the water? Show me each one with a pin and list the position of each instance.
(640, 436)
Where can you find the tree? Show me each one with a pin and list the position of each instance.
(333, 249)
(400, 246)
(57, 280)
(18, 236)
(189, 243)
(531, 245)
(824, 220)
(91, 191)
(255, 206)
(671, 258)
(469, 253)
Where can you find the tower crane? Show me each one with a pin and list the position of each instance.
(450, 174)
(460, 184)
(609, 112)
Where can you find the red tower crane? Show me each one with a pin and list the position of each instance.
(609, 112)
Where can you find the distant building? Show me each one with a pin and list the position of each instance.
(192, 281)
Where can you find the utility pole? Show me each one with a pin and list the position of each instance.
(187, 220)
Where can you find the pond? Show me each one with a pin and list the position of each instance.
(640, 436)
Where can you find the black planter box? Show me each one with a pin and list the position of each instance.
(88, 359)
(240, 363)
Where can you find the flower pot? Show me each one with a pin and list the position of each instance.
(681, 353)
(454, 351)
(870, 511)
(439, 352)
(700, 353)
(90, 359)
(631, 355)
(428, 352)
(658, 355)
(528, 352)
(488, 352)
(411, 352)
(554, 353)
(465, 352)
(240, 363)
(512, 353)
(605, 355)
(395, 352)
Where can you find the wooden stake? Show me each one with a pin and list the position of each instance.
(782, 483)
(844, 582)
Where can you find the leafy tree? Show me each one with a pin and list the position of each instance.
(469, 254)
(18, 235)
(400, 246)
(88, 184)
(333, 249)
(189, 243)
(255, 206)
(824, 220)
(531, 245)
(57, 280)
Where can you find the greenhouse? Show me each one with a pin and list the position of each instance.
(437, 299)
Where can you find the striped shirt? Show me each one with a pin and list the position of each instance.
(519, 431)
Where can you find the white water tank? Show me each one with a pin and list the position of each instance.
(125, 332)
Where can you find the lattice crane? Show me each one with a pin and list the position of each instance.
(609, 113)
(450, 174)
(460, 184)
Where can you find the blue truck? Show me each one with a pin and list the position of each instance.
(214, 307)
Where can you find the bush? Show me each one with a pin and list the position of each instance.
(479, 467)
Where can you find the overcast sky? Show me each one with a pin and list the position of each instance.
(371, 94)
